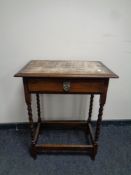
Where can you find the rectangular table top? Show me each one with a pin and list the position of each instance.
(66, 68)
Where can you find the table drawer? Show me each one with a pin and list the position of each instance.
(49, 85)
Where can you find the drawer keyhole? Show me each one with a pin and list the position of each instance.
(66, 86)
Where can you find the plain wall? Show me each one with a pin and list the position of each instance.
(65, 29)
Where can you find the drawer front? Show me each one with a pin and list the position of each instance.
(66, 85)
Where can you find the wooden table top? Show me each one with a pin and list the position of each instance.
(62, 68)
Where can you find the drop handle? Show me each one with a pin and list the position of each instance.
(66, 86)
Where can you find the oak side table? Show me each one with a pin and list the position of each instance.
(65, 77)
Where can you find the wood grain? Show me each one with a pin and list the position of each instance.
(61, 68)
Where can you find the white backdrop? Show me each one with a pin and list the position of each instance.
(65, 29)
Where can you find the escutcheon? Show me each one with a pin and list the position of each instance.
(66, 86)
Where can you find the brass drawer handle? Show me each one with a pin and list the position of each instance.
(66, 86)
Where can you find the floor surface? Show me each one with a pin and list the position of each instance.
(113, 158)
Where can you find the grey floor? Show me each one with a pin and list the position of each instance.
(113, 158)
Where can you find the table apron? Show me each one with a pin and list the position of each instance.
(78, 86)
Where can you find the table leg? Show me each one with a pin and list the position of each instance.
(29, 109)
(90, 107)
(39, 116)
(98, 124)
(38, 107)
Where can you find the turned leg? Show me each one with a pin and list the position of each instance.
(98, 125)
(39, 115)
(90, 114)
(90, 107)
(33, 150)
(29, 109)
(97, 132)
(38, 107)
